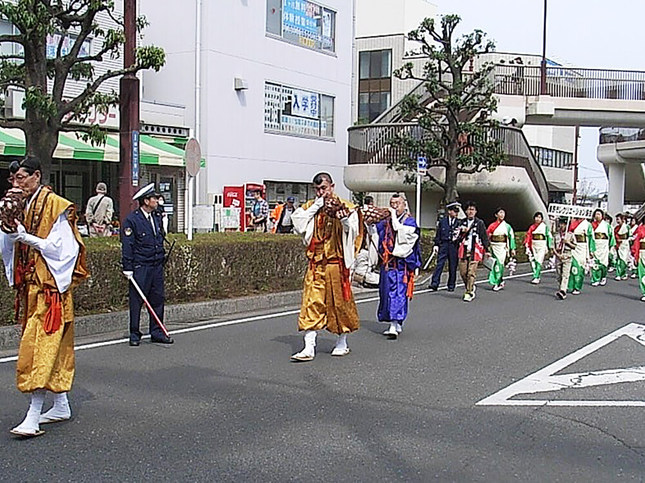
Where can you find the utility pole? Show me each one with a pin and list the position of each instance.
(575, 168)
(543, 63)
(129, 116)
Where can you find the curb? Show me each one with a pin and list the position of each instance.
(183, 314)
(89, 325)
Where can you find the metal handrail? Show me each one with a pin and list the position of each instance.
(370, 144)
(570, 82)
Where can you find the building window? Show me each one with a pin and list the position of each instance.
(374, 84)
(297, 111)
(302, 22)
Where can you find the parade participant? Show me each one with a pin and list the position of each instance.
(472, 242)
(621, 234)
(400, 257)
(366, 271)
(44, 259)
(332, 231)
(538, 242)
(580, 255)
(502, 242)
(446, 247)
(638, 251)
(604, 239)
(142, 259)
(633, 226)
(565, 241)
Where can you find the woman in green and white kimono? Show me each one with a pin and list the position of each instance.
(621, 234)
(538, 242)
(502, 241)
(585, 247)
(604, 237)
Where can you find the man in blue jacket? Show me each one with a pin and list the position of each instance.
(142, 258)
(446, 246)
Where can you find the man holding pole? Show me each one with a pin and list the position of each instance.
(142, 258)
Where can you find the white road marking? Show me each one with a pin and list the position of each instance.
(244, 320)
(545, 379)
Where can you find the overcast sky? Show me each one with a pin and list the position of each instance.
(580, 33)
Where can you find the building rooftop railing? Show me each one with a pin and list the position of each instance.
(570, 82)
(610, 135)
(371, 144)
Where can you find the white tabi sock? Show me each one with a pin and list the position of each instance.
(399, 327)
(310, 342)
(60, 411)
(30, 424)
(341, 343)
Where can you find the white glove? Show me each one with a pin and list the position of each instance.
(21, 235)
(435, 250)
(317, 205)
(345, 223)
(128, 274)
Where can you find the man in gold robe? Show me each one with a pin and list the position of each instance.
(332, 231)
(44, 260)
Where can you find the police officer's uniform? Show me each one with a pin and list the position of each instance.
(143, 254)
(445, 240)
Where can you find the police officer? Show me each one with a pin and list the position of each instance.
(142, 258)
(446, 246)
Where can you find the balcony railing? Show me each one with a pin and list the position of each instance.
(570, 82)
(609, 135)
(553, 158)
(370, 144)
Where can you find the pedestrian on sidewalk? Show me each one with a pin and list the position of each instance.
(472, 245)
(332, 231)
(44, 260)
(445, 246)
(281, 216)
(400, 257)
(99, 211)
(259, 212)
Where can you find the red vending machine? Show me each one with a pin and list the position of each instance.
(242, 197)
(234, 198)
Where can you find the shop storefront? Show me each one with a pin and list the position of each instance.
(78, 166)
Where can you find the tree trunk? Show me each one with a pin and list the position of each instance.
(450, 192)
(41, 143)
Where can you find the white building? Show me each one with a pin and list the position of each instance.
(541, 156)
(266, 88)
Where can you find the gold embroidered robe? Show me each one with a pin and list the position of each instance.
(45, 360)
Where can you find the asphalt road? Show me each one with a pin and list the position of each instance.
(225, 403)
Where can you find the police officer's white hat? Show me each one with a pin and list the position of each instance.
(455, 205)
(147, 191)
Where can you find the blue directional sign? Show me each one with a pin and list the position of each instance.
(422, 164)
(135, 158)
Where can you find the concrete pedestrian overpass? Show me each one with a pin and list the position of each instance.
(574, 97)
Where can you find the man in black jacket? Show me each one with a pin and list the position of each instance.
(472, 245)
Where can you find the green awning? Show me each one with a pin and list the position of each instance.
(70, 146)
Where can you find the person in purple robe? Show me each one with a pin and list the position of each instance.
(400, 256)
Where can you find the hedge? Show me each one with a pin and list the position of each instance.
(212, 266)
